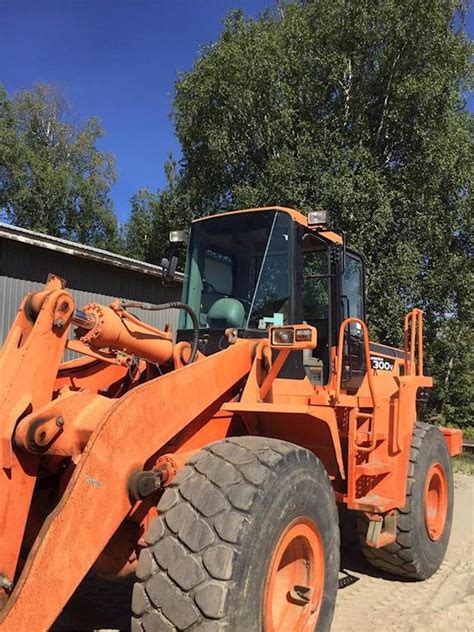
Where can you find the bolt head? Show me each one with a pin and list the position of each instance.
(5, 582)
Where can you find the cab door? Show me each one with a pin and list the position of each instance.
(352, 304)
(316, 305)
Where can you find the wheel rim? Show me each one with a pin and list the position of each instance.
(295, 579)
(436, 501)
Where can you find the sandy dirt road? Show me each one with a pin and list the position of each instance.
(444, 603)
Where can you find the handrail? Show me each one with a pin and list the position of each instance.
(413, 325)
(368, 364)
(340, 349)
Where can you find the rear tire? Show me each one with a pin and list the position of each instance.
(424, 524)
(240, 511)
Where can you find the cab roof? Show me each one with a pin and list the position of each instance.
(294, 214)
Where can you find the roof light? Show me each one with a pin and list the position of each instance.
(177, 236)
(318, 218)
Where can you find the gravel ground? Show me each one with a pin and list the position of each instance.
(444, 602)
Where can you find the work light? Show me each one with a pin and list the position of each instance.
(177, 236)
(318, 218)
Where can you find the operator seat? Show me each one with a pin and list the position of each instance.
(217, 282)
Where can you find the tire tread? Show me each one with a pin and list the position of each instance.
(399, 558)
(195, 528)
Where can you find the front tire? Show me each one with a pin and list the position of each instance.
(424, 524)
(247, 539)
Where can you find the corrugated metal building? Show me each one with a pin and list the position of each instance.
(92, 275)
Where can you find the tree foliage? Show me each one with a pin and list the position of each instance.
(53, 178)
(153, 216)
(355, 107)
(139, 228)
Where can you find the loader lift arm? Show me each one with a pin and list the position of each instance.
(99, 483)
(80, 423)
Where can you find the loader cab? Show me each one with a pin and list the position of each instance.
(249, 270)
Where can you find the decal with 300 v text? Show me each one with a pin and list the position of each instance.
(382, 364)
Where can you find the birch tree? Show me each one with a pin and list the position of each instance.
(53, 177)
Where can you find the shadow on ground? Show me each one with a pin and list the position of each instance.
(97, 604)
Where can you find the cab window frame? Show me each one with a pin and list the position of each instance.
(356, 256)
(246, 331)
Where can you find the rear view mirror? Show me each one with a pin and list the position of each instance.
(169, 267)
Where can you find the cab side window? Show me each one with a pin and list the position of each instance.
(352, 294)
(352, 305)
(316, 309)
(315, 290)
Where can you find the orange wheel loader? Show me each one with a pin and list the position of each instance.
(211, 464)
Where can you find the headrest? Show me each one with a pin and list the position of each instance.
(226, 312)
(219, 275)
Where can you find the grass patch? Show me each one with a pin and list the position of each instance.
(464, 463)
(468, 433)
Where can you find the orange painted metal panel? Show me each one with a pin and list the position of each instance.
(453, 440)
(96, 500)
(295, 216)
(28, 364)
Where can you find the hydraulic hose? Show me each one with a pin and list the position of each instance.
(173, 305)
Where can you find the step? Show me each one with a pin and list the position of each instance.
(360, 415)
(373, 503)
(362, 436)
(375, 468)
(382, 531)
(383, 540)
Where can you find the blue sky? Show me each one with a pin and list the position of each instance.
(118, 60)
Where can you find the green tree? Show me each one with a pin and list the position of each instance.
(53, 177)
(355, 107)
(154, 215)
(139, 228)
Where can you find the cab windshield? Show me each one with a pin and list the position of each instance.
(238, 271)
